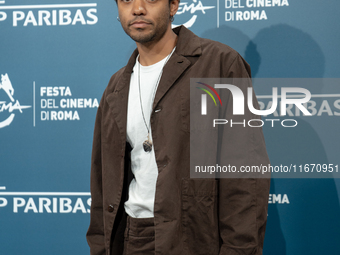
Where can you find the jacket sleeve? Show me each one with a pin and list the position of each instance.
(243, 202)
(95, 233)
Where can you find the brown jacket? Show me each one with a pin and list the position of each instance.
(192, 216)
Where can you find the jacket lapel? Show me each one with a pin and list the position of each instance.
(172, 71)
(118, 98)
(178, 62)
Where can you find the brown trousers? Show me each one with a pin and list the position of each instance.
(139, 236)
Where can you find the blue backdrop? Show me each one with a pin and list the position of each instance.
(56, 58)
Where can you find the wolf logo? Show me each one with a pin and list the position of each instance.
(6, 85)
(195, 6)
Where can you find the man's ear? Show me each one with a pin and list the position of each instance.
(174, 7)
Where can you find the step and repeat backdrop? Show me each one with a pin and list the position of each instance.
(56, 58)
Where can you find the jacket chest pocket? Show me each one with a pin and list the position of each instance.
(200, 216)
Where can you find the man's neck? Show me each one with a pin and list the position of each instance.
(151, 53)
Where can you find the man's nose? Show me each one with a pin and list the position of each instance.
(139, 7)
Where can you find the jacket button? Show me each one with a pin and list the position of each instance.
(110, 208)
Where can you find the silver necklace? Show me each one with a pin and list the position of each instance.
(147, 144)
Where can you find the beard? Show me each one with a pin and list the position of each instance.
(147, 37)
(153, 32)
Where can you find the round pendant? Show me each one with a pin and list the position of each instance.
(147, 145)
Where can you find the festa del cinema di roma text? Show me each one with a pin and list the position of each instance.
(58, 101)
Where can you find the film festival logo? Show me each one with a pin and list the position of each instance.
(238, 104)
(11, 107)
(191, 9)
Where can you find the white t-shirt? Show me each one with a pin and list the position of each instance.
(142, 188)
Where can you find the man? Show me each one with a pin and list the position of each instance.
(143, 125)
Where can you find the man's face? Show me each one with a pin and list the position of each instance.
(146, 20)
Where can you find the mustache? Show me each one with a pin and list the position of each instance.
(139, 19)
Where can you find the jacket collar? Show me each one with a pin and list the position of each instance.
(183, 48)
